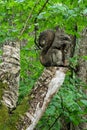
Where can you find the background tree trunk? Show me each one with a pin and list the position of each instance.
(82, 74)
(82, 71)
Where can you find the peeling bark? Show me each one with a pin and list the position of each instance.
(9, 73)
(48, 84)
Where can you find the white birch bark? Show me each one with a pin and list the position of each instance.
(45, 88)
(9, 73)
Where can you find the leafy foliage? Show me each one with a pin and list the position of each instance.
(70, 103)
(31, 69)
(18, 19)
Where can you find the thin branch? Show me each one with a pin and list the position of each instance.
(35, 21)
(42, 7)
(29, 16)
(54, 122)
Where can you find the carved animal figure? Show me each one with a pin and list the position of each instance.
(55, 46)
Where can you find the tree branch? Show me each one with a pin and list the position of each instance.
(45, 88)
(35, 21)
(54, 122)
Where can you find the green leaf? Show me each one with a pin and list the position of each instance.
(50, 111)
(85, 11)
(84, 57)
(75, 119)
(84, 102)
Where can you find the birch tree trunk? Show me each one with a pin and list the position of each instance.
(45, 88)
(9, 73)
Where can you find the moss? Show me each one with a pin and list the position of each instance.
(9, 121)
(23, 106)
(17, 114)
(4, 117)
(1, 90)
(2, 87)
